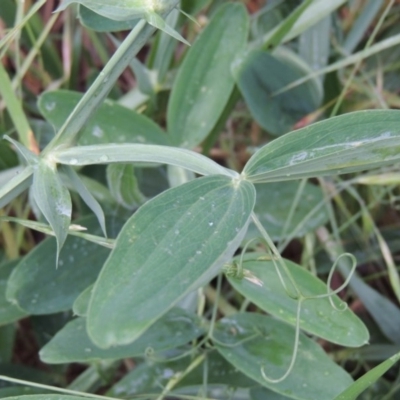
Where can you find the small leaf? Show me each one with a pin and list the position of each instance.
(15, 185)
(72, 343)
(81, 303)
(167, 249)
(367, 380)
(204, 82)
(317, 317)
(123, 185)
(86, 195)
(254, 341)
(158, 22)
(53, 200)
(348, 143)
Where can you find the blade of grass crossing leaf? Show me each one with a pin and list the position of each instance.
(15, 109)
(53, 200)
(367, 380)
(159, 257)
(86, 195)
(285, 27)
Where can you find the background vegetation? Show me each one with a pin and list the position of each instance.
(250, 324)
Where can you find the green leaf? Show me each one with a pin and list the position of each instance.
(72, 344)
(276, 114)
(39, 288)
(123, 185)
(46, 397)
(348, 143)
(171, 246)
(254, 341)
(131, 153)
(98, 23)
(86, 195)
(261, 393)
(111, 123)
(53, 200)
(204, 82)
(367, 380)
(274, 201)
(318, 317)
(81, 303)
(9, 312)
(15, 185)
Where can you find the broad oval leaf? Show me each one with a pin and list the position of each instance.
(72, 343)
(53, 200)
(348, 143)
(172, 245)
(253, 341)
(261, 74)
(318, 317)
(111, 123)
(274, 201)
(204, 82)
(40, 288)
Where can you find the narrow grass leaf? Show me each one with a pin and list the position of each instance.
(72, 343)
(318, 317)
(204, 82)
(86, 195)
(53, 200)
(160, 257)
(146, 153)
(254, 341)
(348, 143)
(39, 288)
(15, 186)
(367, 380)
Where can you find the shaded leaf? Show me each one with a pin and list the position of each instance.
(348, 143)
(274, 201)
(204, 82)
(72, 343)
(167, 249)
(259, 75)
(254, 341)
(39, 288)
(318, 317)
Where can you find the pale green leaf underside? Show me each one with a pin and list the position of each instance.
(172, 245)
(318, 317)
(72, 344)
(126, 153)
(270, 344)
(344, 144)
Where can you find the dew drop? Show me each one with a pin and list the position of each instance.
(211, 223)
(104, 158)
(73, 161)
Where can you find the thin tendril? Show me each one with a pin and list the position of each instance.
(295, 350)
